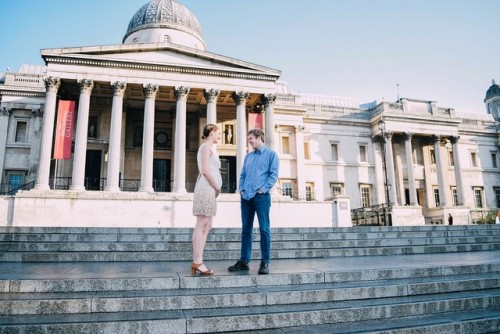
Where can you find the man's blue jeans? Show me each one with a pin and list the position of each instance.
(260, 204)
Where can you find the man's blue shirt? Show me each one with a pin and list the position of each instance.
(259, 172)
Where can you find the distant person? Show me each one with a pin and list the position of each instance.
(497, 218)
(450, 219)
(258, 175)
(207, 188)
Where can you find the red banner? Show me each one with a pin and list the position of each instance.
(64, 130)
(255, 121)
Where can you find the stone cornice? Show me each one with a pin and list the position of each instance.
(240, 74)
(22, 93)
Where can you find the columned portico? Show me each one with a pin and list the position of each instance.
(269, 100)
(241, 122)
(112, 182)
(52, 85)
(179, 186)
(211, 96)
(441, 174)
(458, 170)
(409, 164)
(150, 92)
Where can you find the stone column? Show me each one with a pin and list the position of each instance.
(181, 93)
(42, 180)
(441, 173)
(150, 91)
(301, 174)
(389, 158)
(269, 101)
(211, 97)
(80, 155)
(241, 133)
(35, 126)
(458, 170)
(113, 175)
(409, 167)
(4, 126)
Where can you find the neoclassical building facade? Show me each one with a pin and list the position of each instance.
(139, 108)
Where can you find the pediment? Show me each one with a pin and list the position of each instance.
(168, 55)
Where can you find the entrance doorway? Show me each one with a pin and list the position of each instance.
(228, 173)
(161, 175)
(93, 170)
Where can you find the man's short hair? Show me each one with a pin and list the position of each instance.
(256, 133)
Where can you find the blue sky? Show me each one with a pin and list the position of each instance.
(441, 50)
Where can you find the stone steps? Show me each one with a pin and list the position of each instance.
(119, 245)
(184, 304)
(360, 280)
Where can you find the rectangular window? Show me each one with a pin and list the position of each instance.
(362, 153)
(478, 197)
(497, 196)
(450, 158)
(365, 196)
(286, 188)
(21, 128)
(285, 145)
(307, 155)
(454, 195)
(336, 188)
(494, 162)
(309, 191)
(436, 196)
(473, 159)
(334, 148)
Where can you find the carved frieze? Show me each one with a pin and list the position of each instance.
(37, 112)
(4, 111)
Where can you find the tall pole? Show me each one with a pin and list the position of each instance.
(388, 209)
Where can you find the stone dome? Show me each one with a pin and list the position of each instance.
(164, 21)
(493, 91)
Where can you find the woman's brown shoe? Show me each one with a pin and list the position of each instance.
(195, 268)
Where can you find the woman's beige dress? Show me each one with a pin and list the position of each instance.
(204, 194)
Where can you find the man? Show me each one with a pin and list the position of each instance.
(258, 176)
(450, 219)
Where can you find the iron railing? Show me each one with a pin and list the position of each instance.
(375, 215)
(7, 189)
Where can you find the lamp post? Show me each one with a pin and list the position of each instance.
(387, 185)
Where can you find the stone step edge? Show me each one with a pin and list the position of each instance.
(164, 300)
(480, 321)
(180, 281)
(270, 317)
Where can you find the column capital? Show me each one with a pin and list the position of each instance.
(240, 97)
(435, 138)
(118, 88)
(388, 135)
(407, 135)
(86, 86)
(5, 111)
(268, 99)
(52, 84)
(454, 139)
(211, 95)
(37, 112)
(181, 92)
(150, 90)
